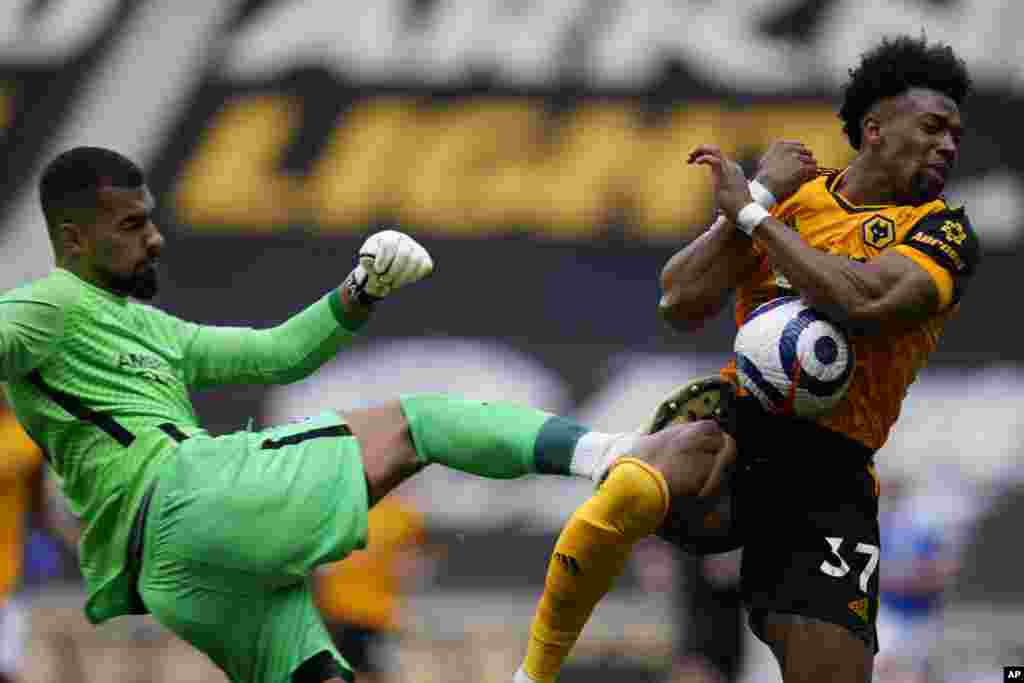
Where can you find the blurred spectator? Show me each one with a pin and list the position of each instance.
(710, 634)
(712, 609)
(22, 494)
(360, 597)
(922, 536)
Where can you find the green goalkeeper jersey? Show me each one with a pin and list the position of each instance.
(92, 376)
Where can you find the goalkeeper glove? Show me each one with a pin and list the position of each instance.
(387, 260)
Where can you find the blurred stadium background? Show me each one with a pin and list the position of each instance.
(537, 149)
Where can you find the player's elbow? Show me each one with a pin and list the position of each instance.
(685, 314)
(677, 318)
(877, 315)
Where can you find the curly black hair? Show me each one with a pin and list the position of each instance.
(895, 66)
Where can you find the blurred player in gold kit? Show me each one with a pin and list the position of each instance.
(360, 597)
(21, 470)
(875, 247)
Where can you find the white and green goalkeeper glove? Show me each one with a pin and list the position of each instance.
(387, 260)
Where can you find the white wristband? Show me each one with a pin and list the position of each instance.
(751, 216)
(762, 195)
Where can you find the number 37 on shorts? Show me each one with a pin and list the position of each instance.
(862, 555)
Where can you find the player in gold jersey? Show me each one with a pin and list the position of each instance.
(875, 247)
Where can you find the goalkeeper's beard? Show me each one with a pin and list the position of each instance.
(142, 284)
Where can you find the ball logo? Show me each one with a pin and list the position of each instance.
(793, 359)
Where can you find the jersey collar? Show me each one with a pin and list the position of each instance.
(105, 293)
(832, 185)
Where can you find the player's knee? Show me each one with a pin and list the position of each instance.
(694, 458)
(633, 499)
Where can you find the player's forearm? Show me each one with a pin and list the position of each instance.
(697, 281)
(307, 340)
(279, 355)
(842, 288)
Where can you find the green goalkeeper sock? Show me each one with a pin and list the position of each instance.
(495, 439)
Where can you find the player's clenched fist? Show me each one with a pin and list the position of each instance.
(387, 260)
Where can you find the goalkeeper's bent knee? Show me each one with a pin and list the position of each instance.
(591, 552)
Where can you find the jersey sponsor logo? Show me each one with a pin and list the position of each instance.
(879, 231)
(145, 366)
(140, 361)
(954, 232)
(949, 251)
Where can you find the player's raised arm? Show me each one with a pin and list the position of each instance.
(897, 290)
(214, 355)
(388, 260)
(697, 281)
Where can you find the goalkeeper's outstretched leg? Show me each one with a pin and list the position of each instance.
(503, 440)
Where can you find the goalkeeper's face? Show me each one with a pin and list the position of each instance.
(124, 246)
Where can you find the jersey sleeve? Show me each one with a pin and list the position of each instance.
(30, 331)
(218, 355)
(946, 246)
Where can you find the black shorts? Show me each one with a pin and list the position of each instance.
(357, 644)
(807, 504)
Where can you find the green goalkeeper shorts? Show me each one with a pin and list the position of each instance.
(236, 525)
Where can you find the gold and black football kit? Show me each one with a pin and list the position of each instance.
(804, 500)
(806, 494)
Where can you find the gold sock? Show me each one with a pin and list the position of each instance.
(591, 552)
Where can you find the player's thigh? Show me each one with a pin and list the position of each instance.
(811, 553)
(810, 650)
(386, 446)
(254, 636)
(268, 506)
(693, 457)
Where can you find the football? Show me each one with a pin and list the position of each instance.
(793, 359)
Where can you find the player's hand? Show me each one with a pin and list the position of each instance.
(388, 260)
(730, 185)
(786, 166)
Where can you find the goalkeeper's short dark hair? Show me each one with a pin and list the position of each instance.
(894, 67)
(71, 180)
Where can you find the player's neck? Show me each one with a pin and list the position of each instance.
(88, 276)
(866, 185)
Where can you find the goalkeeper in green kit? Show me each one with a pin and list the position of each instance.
(216, 536)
